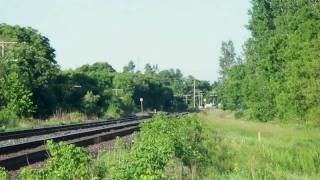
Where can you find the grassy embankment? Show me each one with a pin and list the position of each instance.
(283, 151)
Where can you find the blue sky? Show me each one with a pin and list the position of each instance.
(184, 34)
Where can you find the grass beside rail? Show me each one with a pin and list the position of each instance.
(283, 151)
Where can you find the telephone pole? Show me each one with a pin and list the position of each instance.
(3, 44)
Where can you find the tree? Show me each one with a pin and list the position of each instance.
(35, 64)
(151, 70)
(96, 67)
(130, 68)
(227, 59)
(90, 101)
(16, 96)
(281, 79)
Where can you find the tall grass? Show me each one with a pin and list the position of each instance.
(282, 151)
(59, 118)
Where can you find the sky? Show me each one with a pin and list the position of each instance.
(184, 34)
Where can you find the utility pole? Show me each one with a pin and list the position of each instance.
(194, 93)
(3, 45)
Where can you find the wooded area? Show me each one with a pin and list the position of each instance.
(279, 74)
(33, 84)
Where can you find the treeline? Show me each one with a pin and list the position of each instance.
(279, 77)
(33, 84)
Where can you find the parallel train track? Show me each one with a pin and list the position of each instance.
(26, 147)
(15, 154)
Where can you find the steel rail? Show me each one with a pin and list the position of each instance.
(24, 154)
(40, 131)
(33, 144)
(21, 160)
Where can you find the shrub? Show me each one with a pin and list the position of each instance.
(161, 141)
(31, 174)
(114, 111)
(3, 174)
(89, 103)
(67, 162)
(313, 116)
(7, 118)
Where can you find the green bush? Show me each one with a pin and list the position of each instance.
(67, 162)
(114, 111)
(313, 116)
(3, 174)
(159, 143)
(31, 174)
(90, 103)
(7, 118)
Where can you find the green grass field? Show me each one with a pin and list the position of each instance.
(283, 151)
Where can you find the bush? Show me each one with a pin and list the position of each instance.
(67, 162)
(90, 104)
(313, 116)
(3, 174)
(114, 111)
(159, 143)
(7, 119)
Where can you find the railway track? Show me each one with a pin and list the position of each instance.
(26, 147)
(39, 131)
(33, 149)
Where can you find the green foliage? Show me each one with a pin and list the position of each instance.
(97, 67)
(130, 68)
(7, 119)
(31, 174)
(66, 162)
(159, 142)
(114, 111)
(283, 151)
(227, 60)
(33, 61)
(107, 163)
(17, 96)
(280, 74)
(3, 174)
(33, 85)
(239, 114)
(90, 103)
(313, 116)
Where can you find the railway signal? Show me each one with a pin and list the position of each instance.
(141, 102)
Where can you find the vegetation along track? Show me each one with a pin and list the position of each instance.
(32, 148)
